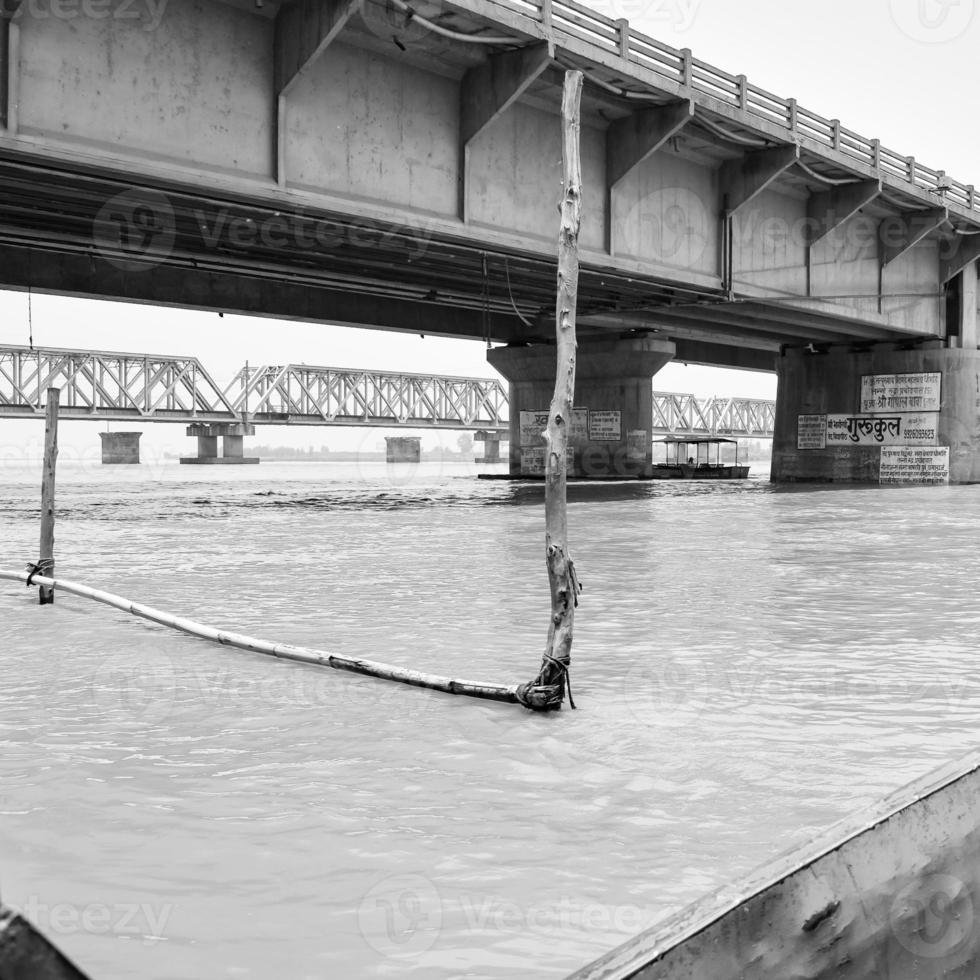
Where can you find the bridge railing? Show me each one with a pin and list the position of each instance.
(309, 395)
(680, 414)
(577, 21)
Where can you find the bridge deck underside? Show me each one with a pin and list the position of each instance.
(433, 212)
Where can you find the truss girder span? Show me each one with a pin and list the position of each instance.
(107, 385)
(677, 414)
(300, 394)
(157, 388)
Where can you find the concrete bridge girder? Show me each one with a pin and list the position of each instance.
(325, 114)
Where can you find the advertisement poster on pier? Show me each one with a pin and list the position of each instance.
(920, 429)
(533, 425)
(915, 464)
(605, 426)
(811, 431)
(901, 392)
(533, 461)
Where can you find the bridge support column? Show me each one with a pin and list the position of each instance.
(610, 433)
(232, 443)
(403, 449)
(120, 447)
(491, 446)
(889, 414)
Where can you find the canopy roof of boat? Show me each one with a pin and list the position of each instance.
(696, 440)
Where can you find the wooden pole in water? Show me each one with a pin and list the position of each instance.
(46, 551)
(547, 691)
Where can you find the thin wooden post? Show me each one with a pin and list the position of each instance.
(46, 552)
(547, 691)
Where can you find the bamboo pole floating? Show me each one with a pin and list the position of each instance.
(46, 552)
(285, 651)
(547, 691)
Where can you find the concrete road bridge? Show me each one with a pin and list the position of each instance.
(396, 165)
(123, 387)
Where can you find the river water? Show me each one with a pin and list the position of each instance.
(751, 664)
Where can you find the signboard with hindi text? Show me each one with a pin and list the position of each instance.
(533, 460)
(921, 429)
(901, 392)
(605, 426)
(915, 464)
(637, 443)
(811, 431)
(533, 425)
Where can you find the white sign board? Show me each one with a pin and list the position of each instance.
(901, 392)
(637, 443)
(883, 430)
(605, 426)
(811, 432)
(915, 464)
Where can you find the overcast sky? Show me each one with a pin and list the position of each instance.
(903, 71)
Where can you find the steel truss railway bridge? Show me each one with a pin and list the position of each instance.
(114, 386)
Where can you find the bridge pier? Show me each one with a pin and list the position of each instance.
(232, 443)
(120, 447)
(609, 435)
(888, 413)
(403, 449)
(491, 446)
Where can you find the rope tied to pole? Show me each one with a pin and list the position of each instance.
(39, 567)
(538, 696)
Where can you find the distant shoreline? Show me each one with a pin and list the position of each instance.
(283, 455)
